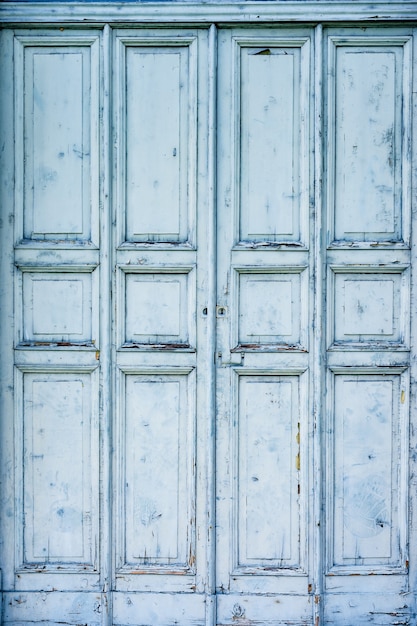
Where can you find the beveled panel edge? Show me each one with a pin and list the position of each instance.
(144, 573)
(402, 374)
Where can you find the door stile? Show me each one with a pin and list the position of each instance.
(318, 336)
(7, 541)
(106, 354)
(412, 486)
(210, 313)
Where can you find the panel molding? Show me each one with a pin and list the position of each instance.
(151, 568)
(185, 339)
(85, 156)
(185, 153)
(58, 565)
(298, 337)
(336, 307)
(399, 45)
(88, 279)
(278, 40)
(299, 459)
(395, 562)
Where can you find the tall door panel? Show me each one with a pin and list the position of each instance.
(51, 534)
(368, 327)
(264, 315)
(160, 313)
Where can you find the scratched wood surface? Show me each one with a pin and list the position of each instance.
(159, 425)
(207, 407)
(368, 304)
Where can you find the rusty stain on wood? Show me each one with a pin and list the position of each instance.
(269, 244)
(56, 344)
(191, 558)
(156, 346)
(270, 347)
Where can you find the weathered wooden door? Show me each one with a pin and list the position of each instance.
(313, 336)
(265, 332)
(207, 324)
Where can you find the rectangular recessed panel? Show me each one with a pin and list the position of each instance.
(268, 479)
(57, 307)
(287, 609)
(368, 307)
(270, 308)
(158, 609)
(156, 308)
(271, 168)
(367, 457)
(158, 486)
(57, 483)
(59, 126)
(368, 142)
(156, 134)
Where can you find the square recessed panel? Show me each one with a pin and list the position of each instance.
(156, 308)
(367, 307)
(57, 307)
(269, 308)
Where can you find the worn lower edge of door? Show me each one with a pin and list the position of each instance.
(272, 609)
(158, 609)
(51, 608)
(388, 609)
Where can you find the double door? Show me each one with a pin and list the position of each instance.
(207, 349)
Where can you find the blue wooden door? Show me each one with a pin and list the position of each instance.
(207, 401)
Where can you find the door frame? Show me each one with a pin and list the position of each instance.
(193, 12)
